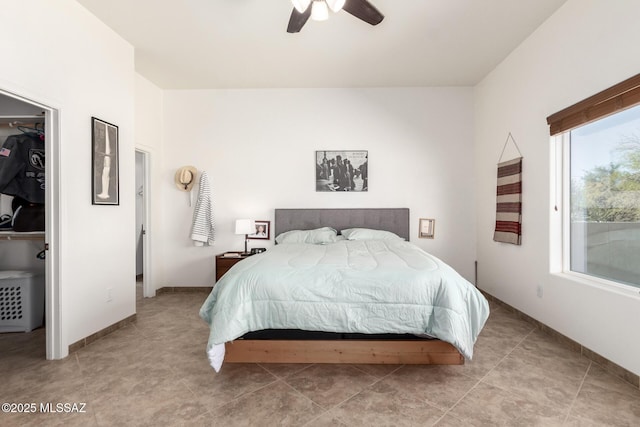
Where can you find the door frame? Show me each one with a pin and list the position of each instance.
(148, 290)
(53, 292)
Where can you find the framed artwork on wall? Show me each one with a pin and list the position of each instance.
(426, 228)
(263, 231)
(342, 170)
(105, 185)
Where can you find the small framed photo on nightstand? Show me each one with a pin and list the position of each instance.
(426, 228)
(263, 230)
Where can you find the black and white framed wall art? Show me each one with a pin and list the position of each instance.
(342, 170)
(105, 185)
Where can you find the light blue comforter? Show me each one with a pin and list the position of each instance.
(370, 286)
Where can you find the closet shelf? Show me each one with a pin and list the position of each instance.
(13, 235)
(31, 117)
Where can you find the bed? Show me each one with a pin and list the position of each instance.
(369, 297)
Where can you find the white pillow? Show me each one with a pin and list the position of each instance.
(319, 236)
(369, 234)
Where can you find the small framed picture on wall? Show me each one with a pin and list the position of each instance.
(263, 231)
(426, 228)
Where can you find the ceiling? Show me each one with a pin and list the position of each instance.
(213, 44)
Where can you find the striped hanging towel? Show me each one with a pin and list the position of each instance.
(509, 202)
(202, 231)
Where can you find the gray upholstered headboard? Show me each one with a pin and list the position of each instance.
(395, 220)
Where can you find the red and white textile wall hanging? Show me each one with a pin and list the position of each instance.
(509, 200)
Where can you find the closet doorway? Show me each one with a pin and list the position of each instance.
(143, 249)
(21, 248)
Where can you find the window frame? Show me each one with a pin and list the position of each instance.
(617, 98)
(560, 261)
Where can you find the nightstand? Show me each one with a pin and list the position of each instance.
(223, 264)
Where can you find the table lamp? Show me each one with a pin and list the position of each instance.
(246, 227)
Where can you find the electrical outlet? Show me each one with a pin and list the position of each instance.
(109, 294)
(539, 291)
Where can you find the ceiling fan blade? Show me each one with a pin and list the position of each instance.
(363, 10)
(297, 20)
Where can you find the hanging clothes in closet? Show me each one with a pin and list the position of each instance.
(22, 175)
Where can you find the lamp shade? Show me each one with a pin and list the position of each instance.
(245, 226)
(319, 11)
(301, 5)
(335, 5)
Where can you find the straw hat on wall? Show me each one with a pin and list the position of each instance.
(186, 178)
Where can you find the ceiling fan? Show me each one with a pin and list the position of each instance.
(318, 10)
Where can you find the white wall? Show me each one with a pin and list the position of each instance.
(585, 47)
(60, 55)
(258, 147)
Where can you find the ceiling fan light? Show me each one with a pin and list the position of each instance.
(319, 11)
(335, 5)
(301, 5)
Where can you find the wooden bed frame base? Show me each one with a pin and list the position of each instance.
(431, 352)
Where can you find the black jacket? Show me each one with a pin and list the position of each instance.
(22, 167)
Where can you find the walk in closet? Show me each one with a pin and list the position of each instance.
(22, 223)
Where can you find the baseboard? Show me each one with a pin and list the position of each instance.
(124, 322)
(605, 363)
(101, 333)
(184, 289)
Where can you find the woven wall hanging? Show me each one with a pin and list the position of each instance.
(509, 198)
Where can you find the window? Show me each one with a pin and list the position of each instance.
(604, 193)
(602, 210)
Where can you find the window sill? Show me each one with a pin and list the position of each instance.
(599, 283)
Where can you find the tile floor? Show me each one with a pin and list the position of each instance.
(154, 372)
